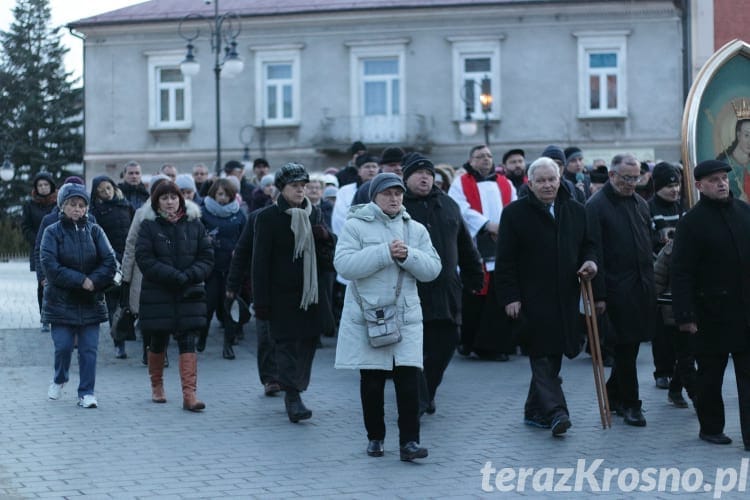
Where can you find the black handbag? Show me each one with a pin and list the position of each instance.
(123, 325)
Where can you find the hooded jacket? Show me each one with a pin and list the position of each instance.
(363, 255)
(114, 216)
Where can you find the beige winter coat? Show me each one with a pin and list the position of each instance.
(363, 255)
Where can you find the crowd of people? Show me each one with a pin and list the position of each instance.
(407, 262)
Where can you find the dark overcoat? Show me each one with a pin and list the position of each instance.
(441, 298)
(69, 253)
(538, 257)
(114, 216)
(277, 277)
(622, 233)
(711, 274)
(175, 259)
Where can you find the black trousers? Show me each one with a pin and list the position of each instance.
(683, 372)
(545, 400)
(159, 339)
(215, 295)
(112, 298)
(485, 328)
(294, 359)
(709, 404)
(267, 369)
(622, 386)
(372, 394)
(663, 349)
(440, 339)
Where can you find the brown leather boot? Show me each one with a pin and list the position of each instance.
(189, 376)
(156, 372)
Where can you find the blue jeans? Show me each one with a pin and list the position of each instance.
(88, 343)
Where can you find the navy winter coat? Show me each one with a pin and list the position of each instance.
(71, 252)
(175, 259)
(224, 233)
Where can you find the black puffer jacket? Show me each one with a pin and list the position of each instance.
(71, 252)
(114, 216)
(175, 259)
(441, 298)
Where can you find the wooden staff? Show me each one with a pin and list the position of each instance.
(592, 328)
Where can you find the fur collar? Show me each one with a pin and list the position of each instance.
(192, 210)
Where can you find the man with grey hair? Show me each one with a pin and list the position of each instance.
(624, 287)
(544, 245)
(131, 186)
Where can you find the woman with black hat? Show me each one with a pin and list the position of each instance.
(292, 247)
(43, 200)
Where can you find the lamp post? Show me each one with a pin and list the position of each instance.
(468, 126)
(224, 47)
(7, 170)
(246, 138)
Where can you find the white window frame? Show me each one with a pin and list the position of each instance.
(360, 51)
(470, 48)
(280, 54)
(592, 42)
(167, 60)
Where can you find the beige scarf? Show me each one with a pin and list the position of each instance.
(304, 244)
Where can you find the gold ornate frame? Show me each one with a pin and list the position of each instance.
(692, 106)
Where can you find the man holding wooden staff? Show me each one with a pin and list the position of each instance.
(544, 245)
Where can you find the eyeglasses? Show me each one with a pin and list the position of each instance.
(630, 179)
(482, 157)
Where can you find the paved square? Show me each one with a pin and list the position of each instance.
(243, 446)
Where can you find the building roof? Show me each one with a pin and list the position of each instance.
(170, 10)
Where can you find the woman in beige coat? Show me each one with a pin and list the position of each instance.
(379, 242)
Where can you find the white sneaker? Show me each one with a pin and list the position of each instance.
(87, 401)
(55, 390)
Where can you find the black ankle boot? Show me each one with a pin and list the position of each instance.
(295, 408)
(228, 352)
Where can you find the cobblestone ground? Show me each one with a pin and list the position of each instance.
(243, 446)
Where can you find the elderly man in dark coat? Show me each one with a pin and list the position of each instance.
(624, 287)
(291, 246)
(711, 293)
(544, 245)
(441, 298)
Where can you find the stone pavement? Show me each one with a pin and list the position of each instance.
(243, 446)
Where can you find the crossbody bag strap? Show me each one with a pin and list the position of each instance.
(399, 281)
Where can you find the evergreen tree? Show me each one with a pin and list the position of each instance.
(40, 111)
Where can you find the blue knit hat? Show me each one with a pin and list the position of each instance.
(68, 191)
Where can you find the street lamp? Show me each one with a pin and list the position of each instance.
(224, 30)
(468, 126)
(7, 170)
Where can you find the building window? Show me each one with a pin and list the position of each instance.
(474, 60)
(169, 92)
(277, 71)
(377, 91)
(602, 74)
